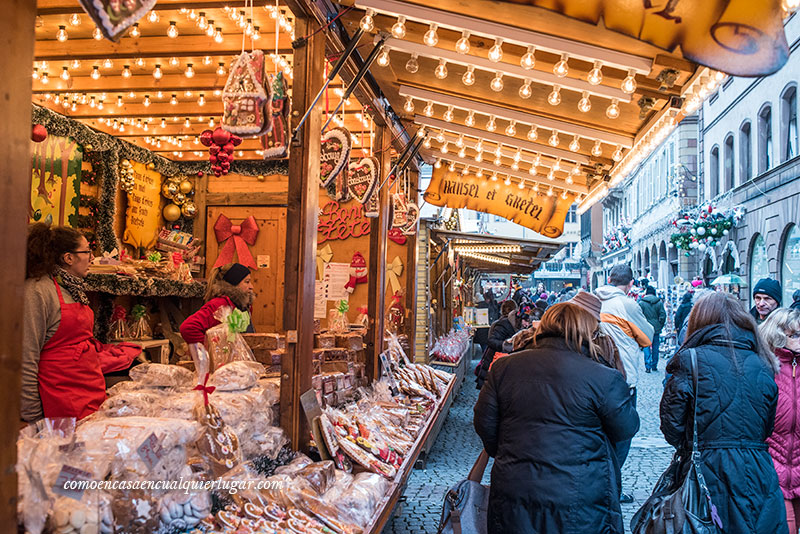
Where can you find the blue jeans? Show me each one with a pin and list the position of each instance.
(622, 448)
(651, 353)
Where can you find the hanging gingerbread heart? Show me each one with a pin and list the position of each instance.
(412, 215)
(334, 154)
(371, 207)
(399, 210)
(362, 178)
(113, 17)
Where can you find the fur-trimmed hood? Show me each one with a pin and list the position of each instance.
(241, 299)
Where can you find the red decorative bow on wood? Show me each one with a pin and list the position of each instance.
(207, 390)
(238, 237)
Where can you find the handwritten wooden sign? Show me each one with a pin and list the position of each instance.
(143, 216)
(537, 211)
(342, 222)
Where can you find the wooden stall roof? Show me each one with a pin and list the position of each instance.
(513, 256)
(112, 87)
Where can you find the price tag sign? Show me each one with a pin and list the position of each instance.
(65, 483)
(385, 365)
(150, 451)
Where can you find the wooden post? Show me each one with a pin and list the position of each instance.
(378, 237)
(17, 35)
(412, 259)
(301, 234)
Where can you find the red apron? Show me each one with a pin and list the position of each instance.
(72, 363)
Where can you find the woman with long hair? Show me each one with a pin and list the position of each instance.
(736, 399)
(781, 331)
(549, 417)
(230, 285)
(62, 363)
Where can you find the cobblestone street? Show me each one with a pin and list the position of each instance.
(458, 446)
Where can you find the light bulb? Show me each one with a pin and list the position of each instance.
(479, 146)
(511, 129)
(107, 63)
(221, 69)
(408, 107)
(100, 104)
(139, 62)
(528, 61)
(157, 74)
(469, 76)
(427, 142)
(174, 62)
(597, 149)
(440, 136)
(61, 34)
(521, 184)
(174, 100)
(479, 173)
(186, 123)
(448, 115)
(412, 65)
(135, 32)
(201, 100)
(575, 144)
(383, 58)
(421, 132)
(431, 37)
(576, 170)
(617, 155)
(126, 71)
(35, 74)
(525, 91)
(462, 45)
(612, 112)
(367, 22)
(561, 68)
(507, 181)
(44, 65)
(95, 72)
(210, 30)
(97, 34)
(159, 94)
(399, 28)
(153, 16)
(596, 74)
(218, 35)
(207, 60)
(256, 35)
(462, 152)
(478, 157)
(163, 123)
(172, 31)
(211, 122)
(428, 111)
(557, 165)
(146, 101)
(460, 141)
(533, 134)
(629, 83)
(550, 192)
(584, 104)
(470, 120)
(494, 176)
(441, 70)
(75, 64)
(438, 164)
(452, 166)
(497, 83)
(189, 72)
(75, 19)
(498, 151)
(496, 52)
(518, 155)
(554, 141)
(491, 125)
(554, 98)
(444, 149)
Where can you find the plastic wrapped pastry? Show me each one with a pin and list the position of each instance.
(236, 375)
(161, 375)
(224, 341)
(179, 510)
(90, 515)
(139, 403)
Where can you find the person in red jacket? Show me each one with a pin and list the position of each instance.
(230, 285)
(781, 331)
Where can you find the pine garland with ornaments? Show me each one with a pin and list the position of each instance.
(704, 227)
(617, 238)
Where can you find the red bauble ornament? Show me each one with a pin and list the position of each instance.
(228, 148)
(221, 136)
(214, 149)
(212, 158)
(206, 137)
(236, 140)
(38, 133)
(200, 174)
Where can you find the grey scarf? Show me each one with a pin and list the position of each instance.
(75, 285)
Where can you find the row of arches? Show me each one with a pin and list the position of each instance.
(658, 261)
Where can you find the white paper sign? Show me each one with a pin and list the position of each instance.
(320, 302)
(482, 317)
(334, 278)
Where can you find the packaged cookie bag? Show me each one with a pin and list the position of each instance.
(218, 445)
(224, 341)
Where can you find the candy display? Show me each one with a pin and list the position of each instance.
(449, 348)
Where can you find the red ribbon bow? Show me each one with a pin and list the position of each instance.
(207, 390)
(236, 237)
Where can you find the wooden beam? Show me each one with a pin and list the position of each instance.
(67, 7)
(378, 238)
(246, 199)
(16, 34)
(412, 260)
(301, 236)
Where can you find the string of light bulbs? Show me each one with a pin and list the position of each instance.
(486, 258)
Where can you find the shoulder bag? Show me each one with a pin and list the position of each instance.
(466, 504)
(681, 502)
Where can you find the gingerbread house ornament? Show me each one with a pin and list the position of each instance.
(275, 142)
(245, 96)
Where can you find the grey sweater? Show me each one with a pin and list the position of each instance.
(42, 318)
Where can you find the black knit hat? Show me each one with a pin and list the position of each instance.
(770, 288)
(236, 273)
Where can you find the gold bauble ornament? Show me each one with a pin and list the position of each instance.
(186, 187)
(169, 189)
(179, 198)
(150, 166)
(172, 212)
(189, 209)
(88, 148)
(261, 178)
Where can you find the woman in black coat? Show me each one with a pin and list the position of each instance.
(683, 311)
(501, 330)
(736, 400)
(549, 416)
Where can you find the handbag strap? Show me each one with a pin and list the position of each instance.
(695, 446)
(476, 473)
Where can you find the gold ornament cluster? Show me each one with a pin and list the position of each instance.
(126, 176)
(179, 190)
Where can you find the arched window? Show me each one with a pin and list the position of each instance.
(713, 173)
(765, 140)
(745, 154)
(790, 268)
(789, 124)
(727, 164)
(759, 263)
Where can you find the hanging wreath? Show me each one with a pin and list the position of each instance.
(704, 227)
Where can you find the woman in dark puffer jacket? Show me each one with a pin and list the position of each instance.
(736, 399)
(502, 330)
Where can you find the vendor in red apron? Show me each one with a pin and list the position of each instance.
(62, 363)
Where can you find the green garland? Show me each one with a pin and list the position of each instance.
(114, 284)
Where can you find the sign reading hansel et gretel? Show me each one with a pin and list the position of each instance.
(537, 211)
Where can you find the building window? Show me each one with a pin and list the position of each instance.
(790, 269)
(789, 124)
(727, 172)
(713, 174)
(745, 154)
(765, 140)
